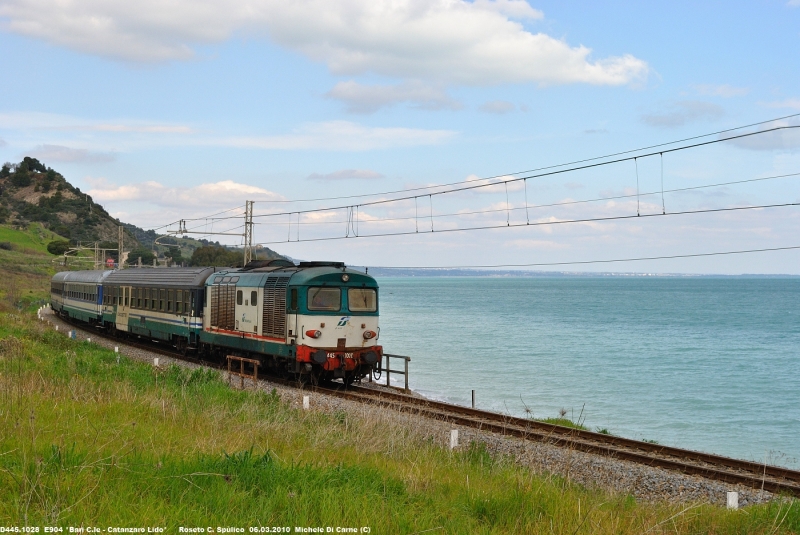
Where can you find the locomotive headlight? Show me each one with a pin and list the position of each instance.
(345, 277)
(369, 335)
(313, 333)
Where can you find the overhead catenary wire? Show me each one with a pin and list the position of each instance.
(557, 222)
(549, 173)
(560, 203)
(575, 162)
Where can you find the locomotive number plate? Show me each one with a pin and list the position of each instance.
(334, 355)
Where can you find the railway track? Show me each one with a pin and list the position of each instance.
(774, 479)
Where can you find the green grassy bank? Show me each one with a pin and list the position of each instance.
(89, 441)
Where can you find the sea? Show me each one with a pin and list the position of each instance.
(698, 362)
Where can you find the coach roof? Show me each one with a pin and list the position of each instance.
(161, 277)
(82, 277)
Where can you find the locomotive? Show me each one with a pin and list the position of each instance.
(314, 321)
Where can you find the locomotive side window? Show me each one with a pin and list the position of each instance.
(239, 297)
(362, 299)
(253, 298)
(324, 298)
(293, 299)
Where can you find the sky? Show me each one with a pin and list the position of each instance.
(320, 111)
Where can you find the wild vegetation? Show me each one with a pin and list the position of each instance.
(87, 439)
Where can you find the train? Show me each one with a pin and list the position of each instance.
(311, 322)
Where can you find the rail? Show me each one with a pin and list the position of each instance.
(241, 373)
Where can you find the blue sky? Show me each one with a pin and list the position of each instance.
(169, 110)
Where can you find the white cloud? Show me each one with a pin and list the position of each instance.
(67, 123)
(370, 98)
(112, 136)
(450, 41)
(223, 193)
(793, 3)
(338, 135)
(59, 153)
(684, 112)
(498, 107)
(725, 91)
(346, 174)
(791, 103)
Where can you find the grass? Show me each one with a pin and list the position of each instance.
(34, 239)
(85, 440)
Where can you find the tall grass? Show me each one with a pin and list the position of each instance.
(85, 440)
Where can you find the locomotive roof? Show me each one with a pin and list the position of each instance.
(161, 277)
(304, 274)
(84, 277)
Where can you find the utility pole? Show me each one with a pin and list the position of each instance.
(119, 247)
(248, 232)
(96, 256)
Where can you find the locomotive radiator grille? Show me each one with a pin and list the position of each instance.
(274, 321)
(223, 301)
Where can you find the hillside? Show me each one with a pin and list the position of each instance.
(32, 193)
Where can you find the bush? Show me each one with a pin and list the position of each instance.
(6, 246)
(21, 178)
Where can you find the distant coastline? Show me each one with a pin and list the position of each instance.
(443, 272)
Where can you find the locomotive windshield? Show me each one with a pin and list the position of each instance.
(362, 299)
(324, 298)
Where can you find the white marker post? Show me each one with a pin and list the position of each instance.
(306, 403)
(733, 500)
(155, 361)
(453, 439)
(88, 339)
(56, 327)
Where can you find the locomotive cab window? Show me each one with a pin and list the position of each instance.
(324, 298)
(362, 299)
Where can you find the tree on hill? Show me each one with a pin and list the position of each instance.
(58, 247)
(174, 254)
(140, 252)
(215, 256)
(5, 171)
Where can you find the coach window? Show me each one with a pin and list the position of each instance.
(170, 300)
(239, 297)
(324, 298)
(162, 295)
(187, 295)
(253, 298)
(153, 299)
(139, 298)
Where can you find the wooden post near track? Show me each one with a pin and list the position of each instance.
(241, 373)
(388, 369)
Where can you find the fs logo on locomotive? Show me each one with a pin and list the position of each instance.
(344, 321)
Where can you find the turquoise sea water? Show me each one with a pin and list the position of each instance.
(710, 364)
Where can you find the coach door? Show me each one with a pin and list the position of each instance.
(123, 307)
